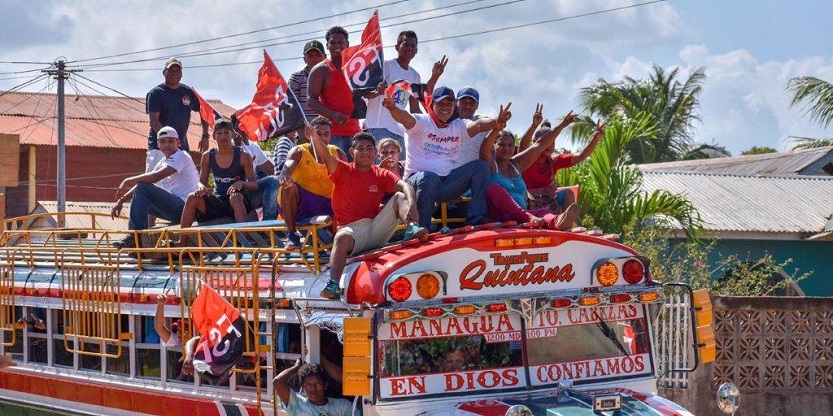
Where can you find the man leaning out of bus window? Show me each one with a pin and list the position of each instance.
(312, 400)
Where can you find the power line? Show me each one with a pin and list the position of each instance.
(245, 33)
(25, 84)
(217, 51)
(462, 35)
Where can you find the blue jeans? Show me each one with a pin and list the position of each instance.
(149, 199)
(380, 134)
(343, 143)
(266, 196)
(432, 188)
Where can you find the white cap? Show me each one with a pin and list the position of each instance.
(167, 132)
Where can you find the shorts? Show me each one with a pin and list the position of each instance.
(371, 233)
(217, 206)
(312, 205)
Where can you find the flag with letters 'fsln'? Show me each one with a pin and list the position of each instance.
(221, 329)
(362, 65)
(274, 110)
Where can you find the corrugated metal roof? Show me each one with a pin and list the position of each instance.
(83, 222)
(769, 204)
(100, 121)
(781, 163)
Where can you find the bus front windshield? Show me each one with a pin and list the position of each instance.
(471, 354)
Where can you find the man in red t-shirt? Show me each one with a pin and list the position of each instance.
(359, 188)
(329, 93)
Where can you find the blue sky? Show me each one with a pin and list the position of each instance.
(749, 50)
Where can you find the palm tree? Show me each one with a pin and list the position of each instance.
(611, 195)
(816, 96)
(672, 104)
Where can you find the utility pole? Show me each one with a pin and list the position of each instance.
(61, 74)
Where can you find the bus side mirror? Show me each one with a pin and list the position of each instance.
(705, 331)
(355, 369)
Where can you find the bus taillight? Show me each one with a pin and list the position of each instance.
(561, 303)
(400, 289)
(619, 298)
(465, 310)
(607, 274)
(433, 312)
(428, 286)
(633, 271)
(496, 307)
(648, 297)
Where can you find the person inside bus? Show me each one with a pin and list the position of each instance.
(168, 336)
(313, 399)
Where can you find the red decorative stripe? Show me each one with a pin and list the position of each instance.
(112, 396)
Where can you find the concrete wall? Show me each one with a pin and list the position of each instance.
(778, 351)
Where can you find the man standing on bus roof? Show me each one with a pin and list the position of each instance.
(314, 53)
(357, 195)
(170, 104)
(314, 400)
(329, 93)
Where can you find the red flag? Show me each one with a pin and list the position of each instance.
(274, 109)
(221, 330)
(399, 88)
(206, 110)
(362, 64)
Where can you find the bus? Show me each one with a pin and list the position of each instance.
(495, 319)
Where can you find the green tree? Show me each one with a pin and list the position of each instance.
(816, 96)
(672, 104)
(755, 150)
(611, 195)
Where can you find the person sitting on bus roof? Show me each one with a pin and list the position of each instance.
(434, 143)
(162, 191)
(266, 195)
(540, 176)
(313, 401)
(305, 189)
(506, 195)
(233, 173)
(359, 189)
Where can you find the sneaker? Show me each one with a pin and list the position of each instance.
(127, 242)
(413, 230)
(331, 291)
(293, 242)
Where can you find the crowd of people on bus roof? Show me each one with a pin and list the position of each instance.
(394, 170)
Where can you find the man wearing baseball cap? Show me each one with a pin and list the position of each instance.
(314, 53)
(468, 99)
(162, 191)
(434, 142)
(170, 104)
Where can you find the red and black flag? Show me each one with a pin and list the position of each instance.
(362, 65)
(221, 329)
(207, 112)
(274, 110)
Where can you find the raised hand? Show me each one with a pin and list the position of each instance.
(600, 128)
(439, 67)
(504, 114)
(568, 119)
(538, 115)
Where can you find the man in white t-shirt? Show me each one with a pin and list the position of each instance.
(160, 192)
(379, 122)
(434, 143)
(468, 99)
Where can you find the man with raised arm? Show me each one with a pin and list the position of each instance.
(170, 104)
(434, 143)
(305, 188)
(314, 400)
(162, 191)
(359, 189)
(329, 93)
(379, 123)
